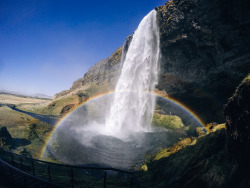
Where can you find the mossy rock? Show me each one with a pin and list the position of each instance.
(176, 147)
(200, 131)
(213, 127)
(144, 167)
(167, 121)
(83, 96)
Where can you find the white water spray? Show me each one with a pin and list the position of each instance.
(133, 107)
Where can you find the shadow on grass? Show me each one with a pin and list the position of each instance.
(17, 142)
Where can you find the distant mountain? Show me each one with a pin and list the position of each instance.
(11, 92)
(41, 96)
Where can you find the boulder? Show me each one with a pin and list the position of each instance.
(6, 139)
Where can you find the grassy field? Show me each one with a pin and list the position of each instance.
(30, 133)
(16, 100)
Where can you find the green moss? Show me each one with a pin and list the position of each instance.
(167, 121)
(179, 145)
(144, 167)
(200, 131)
(247, 78)
(213, 127)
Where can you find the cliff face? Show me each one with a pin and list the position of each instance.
(205, 52)
(103, 73)
(205, 55)
(237, 113)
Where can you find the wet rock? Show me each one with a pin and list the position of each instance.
(205, 52)
(237, 113)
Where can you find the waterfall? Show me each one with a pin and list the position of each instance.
(114, 130)
(132, 107)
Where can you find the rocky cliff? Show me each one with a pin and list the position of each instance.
(205, 52)
(103, 74)
(205, 55)
(237, 113)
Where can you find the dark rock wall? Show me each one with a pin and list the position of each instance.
(237, 113)
(218, 159)
(205, 52)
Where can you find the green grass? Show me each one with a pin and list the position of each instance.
(22, 126)
(56, 107)
(53, 108)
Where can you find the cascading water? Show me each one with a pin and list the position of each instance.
(132, 107)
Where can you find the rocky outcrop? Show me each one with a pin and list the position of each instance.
(205, 52)
(237, 113)
(175, 148)
(67, 108)
(167, 121)
(6, 139)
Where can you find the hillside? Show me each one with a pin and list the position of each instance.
(14, 99)
(28, 135)
(100, 78)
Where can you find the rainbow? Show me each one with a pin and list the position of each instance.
(181, 105)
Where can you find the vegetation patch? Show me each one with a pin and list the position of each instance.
(176, 147)
(247, 78)
(213, 127)
(167, 121)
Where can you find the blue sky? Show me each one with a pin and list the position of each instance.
(45, 45)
